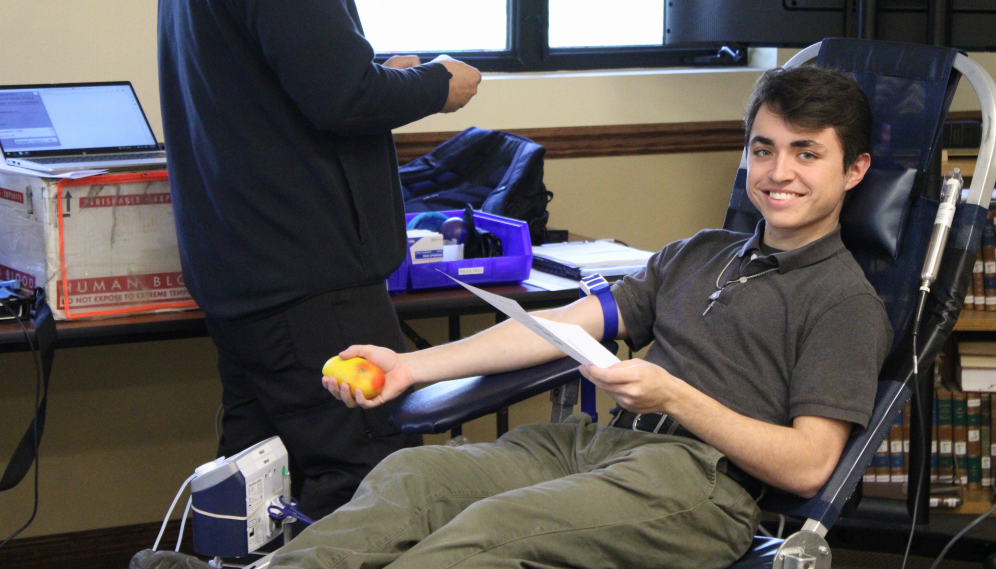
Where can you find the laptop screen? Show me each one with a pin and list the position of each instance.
(53, 120)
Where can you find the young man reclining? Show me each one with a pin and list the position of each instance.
(765, 351)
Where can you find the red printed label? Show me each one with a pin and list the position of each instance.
(9, 274)
(11, 195)
(124, 291)
(115, 201)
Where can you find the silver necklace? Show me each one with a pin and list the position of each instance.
(719, 288)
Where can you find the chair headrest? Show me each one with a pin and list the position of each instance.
(874, 215)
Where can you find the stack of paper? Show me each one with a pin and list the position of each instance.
(580, 259)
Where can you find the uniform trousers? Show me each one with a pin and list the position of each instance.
(546, 495)
(271, 376)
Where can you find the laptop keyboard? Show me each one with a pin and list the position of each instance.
(99, 158)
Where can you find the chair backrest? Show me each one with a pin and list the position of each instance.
(887, 224)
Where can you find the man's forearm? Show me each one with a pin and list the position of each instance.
(506, 347)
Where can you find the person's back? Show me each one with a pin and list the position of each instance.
(281, 161)
(290, 215)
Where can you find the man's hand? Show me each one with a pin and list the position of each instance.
(638, 386)
(397, 378)
(463, 83)
(402, 61)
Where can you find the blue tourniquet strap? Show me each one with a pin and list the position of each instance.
(598, 286)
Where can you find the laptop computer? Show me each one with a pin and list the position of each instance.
(77, 126)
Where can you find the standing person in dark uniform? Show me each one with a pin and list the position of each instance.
(289, 213)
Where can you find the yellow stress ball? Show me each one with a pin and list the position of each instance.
(358, 373)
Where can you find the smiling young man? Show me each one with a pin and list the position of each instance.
(764, 354)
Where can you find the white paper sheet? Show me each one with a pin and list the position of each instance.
(547, 281)
(71, 175)
(569, 338)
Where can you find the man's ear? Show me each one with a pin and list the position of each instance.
(857, 170)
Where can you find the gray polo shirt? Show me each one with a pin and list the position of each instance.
(806, 338)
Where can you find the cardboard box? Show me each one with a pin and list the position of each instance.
(107, 244)
(425, 246)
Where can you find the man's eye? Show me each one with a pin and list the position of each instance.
(762, 152)
(808, 156)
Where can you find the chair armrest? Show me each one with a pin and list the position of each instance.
(444, 405)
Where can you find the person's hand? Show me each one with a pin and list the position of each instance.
(402, 61)
(638, 386)
(397, 378)
(463, 83)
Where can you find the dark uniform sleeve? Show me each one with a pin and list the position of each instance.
(836, 375)
(324, 63)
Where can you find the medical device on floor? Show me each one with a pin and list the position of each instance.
(240, 503)
(231, 497)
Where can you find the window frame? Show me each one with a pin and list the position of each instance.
(529, 50)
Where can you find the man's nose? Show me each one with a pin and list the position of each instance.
(782, 170)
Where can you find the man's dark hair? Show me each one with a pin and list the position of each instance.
(813, 98)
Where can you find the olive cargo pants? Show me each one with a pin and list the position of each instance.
(546, 495)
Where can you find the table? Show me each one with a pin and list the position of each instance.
(450, 303)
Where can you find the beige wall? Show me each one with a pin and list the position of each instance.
(128, 423)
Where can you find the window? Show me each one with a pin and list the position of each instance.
(534, 35)
(597, 23)
(428, 26)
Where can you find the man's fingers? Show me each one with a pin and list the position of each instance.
(332, 385)
(402, 61)
(345, 396)
(350, 352)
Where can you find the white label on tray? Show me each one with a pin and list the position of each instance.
(471, 271)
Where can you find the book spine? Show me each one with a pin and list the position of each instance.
(959, 418)
(992, 431)
(974, 417)
(989, 258)
(961, 134)
(881, 462)
(906, 440)
(896, 451)
(945, 437)
(935, 462)
(986, 439)
(978, 282)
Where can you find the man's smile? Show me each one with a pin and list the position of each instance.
(780, 195)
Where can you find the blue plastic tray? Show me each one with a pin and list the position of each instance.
(512, 267)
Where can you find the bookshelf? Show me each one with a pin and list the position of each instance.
(976, 321)
(974, 502)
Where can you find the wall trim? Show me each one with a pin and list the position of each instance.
(617, 140)
(91, 549)
(613, 140)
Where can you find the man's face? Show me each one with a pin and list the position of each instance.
(797, 180)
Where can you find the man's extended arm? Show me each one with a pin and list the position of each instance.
(506, 347)
(326, 66)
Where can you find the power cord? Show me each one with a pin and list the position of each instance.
(38, 386)
(959, 535)
(924, 290)
(950, 196)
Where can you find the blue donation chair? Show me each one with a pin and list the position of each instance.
(886, 224)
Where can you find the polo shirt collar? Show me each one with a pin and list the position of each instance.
(823, 248)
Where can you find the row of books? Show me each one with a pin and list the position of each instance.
(982, 294)
(962, 448)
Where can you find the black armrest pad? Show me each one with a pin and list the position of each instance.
(444, 405)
